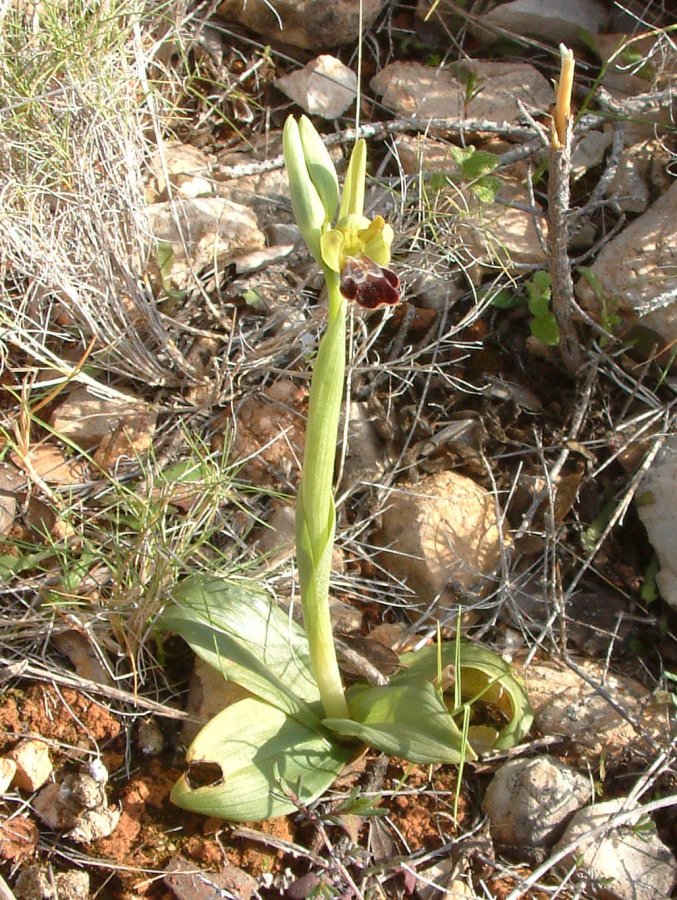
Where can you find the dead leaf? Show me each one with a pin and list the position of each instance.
(51, 464)
(9, 483)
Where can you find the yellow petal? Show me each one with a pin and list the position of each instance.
(331, 245)
(377, 241)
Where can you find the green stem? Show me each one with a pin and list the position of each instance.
(315, 515)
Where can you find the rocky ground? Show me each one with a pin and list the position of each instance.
(499, 470)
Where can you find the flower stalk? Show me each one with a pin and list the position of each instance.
(353, 254)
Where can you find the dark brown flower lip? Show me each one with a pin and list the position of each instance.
(369, 284)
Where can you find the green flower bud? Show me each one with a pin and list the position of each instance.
(309, 210)
(320, 167)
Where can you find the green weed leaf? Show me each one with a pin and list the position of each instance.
(544, 327)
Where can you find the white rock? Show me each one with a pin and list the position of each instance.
(203, 233)
(366, 457)
(440, 531)
(41, 883)
(7, 773)
(325, 87)
(637, 268)
(657, 505)
(548, 19)
(33, 764)
(93, 824)
(529, 800)
(502, 232)
(413, 89)
(311, 24)
(277, 539)
(631, 865)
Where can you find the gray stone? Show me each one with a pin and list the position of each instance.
(637, 268)
(629, 863)
(656, 503)
(78, 805)
(529, 800)
(325, 87)
(311, 24)
(187, 882)
(40, 883)
(201, 233)
(547, 19)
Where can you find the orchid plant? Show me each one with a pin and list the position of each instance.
(296, 728)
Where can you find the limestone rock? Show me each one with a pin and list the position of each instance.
(39, 883)
(565, 704)
(325, 87)
(311, 24)
(440, 532)
(641, 168)
(656, 504)
(7, 773)
(185, 167)
(529, 800)
(589, 151)
(482, 233)
(119, 425)
(637, 268)
(417, 90)
(500, 233)
(631, 865)
(78, 804)
(270, 433)
(198, 234)
(188, 882)
(33, 764)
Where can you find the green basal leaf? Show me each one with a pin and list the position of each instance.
(486, 681)
(486, 188)
(405, 720)
(479, 163)
(263, 755)
(539, 305)
(506, 299)
(240, 631)
(544, 327)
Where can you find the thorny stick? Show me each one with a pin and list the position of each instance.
(558, 223)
